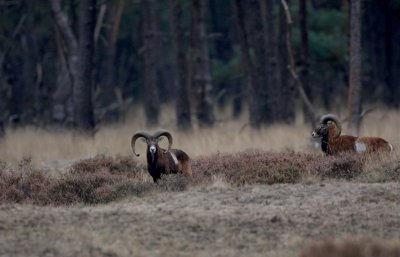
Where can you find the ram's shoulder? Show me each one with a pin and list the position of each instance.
(180, 155)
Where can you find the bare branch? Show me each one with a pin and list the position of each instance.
(99, 22)
(120, 10)
(292, 65)
(62, 22)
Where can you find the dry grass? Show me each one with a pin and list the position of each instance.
(225, 210)
(97, 180)
(93, 171)
(364, 247)
(249, 168)
(56, 149)
(103, 179)
(277, 220)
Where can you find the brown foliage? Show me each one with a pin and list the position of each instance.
(103, 179)
(97, 180)
(270, 168)
(352, 248)
(25, 184)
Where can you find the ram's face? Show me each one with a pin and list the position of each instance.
(152, 145)
(320, 131)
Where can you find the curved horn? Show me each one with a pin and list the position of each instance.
(135, 137)
(165, 133)
(331, 117)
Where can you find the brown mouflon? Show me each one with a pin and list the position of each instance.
(332, 142)
(161, 161)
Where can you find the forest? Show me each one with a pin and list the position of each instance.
(80, 64)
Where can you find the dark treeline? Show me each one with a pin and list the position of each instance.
(79, 63)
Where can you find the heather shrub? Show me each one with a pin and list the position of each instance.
(388, 171)
(353, 248)
(269, 168)
(119, 165)
(173, 183)
(343, 166)
(130, 188)
(97, 180)
(103, 178)
(25, 184)
(73, 188)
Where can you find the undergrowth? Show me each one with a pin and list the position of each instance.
(270, 168)
(363, 247)
(103, 178)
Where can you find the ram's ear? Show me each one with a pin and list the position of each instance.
(144, 140)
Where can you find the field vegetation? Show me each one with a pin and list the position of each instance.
(263, 193)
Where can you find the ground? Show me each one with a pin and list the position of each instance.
(216, 220)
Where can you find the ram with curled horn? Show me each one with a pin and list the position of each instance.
(332, 142)
(161, 161)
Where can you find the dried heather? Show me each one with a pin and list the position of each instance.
(270, 168)
(103, 178)
(364, 247)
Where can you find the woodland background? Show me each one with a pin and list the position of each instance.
(80, 64)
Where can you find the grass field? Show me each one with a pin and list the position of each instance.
(253, 193)
(47, 147)
(276, 220)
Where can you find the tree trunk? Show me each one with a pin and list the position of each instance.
(82, 90)
(3, 104)
(292, 63)
(258, 37)
(354, 97)
(3, 101)
(67, 44)
(374, 27)
(252, 94)
(62, 109)
(304, 63)
(272, 46)
(223, 47)
(73, 7)
(30, 89)
(183, 118)
(287, 94)
(3, 85)
(202, 83)
(152, 102)
(237, 99)
(165, 82)
(392, 67)
(107, 79)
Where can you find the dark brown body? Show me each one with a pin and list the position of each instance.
(160, 161)
(164, 163)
